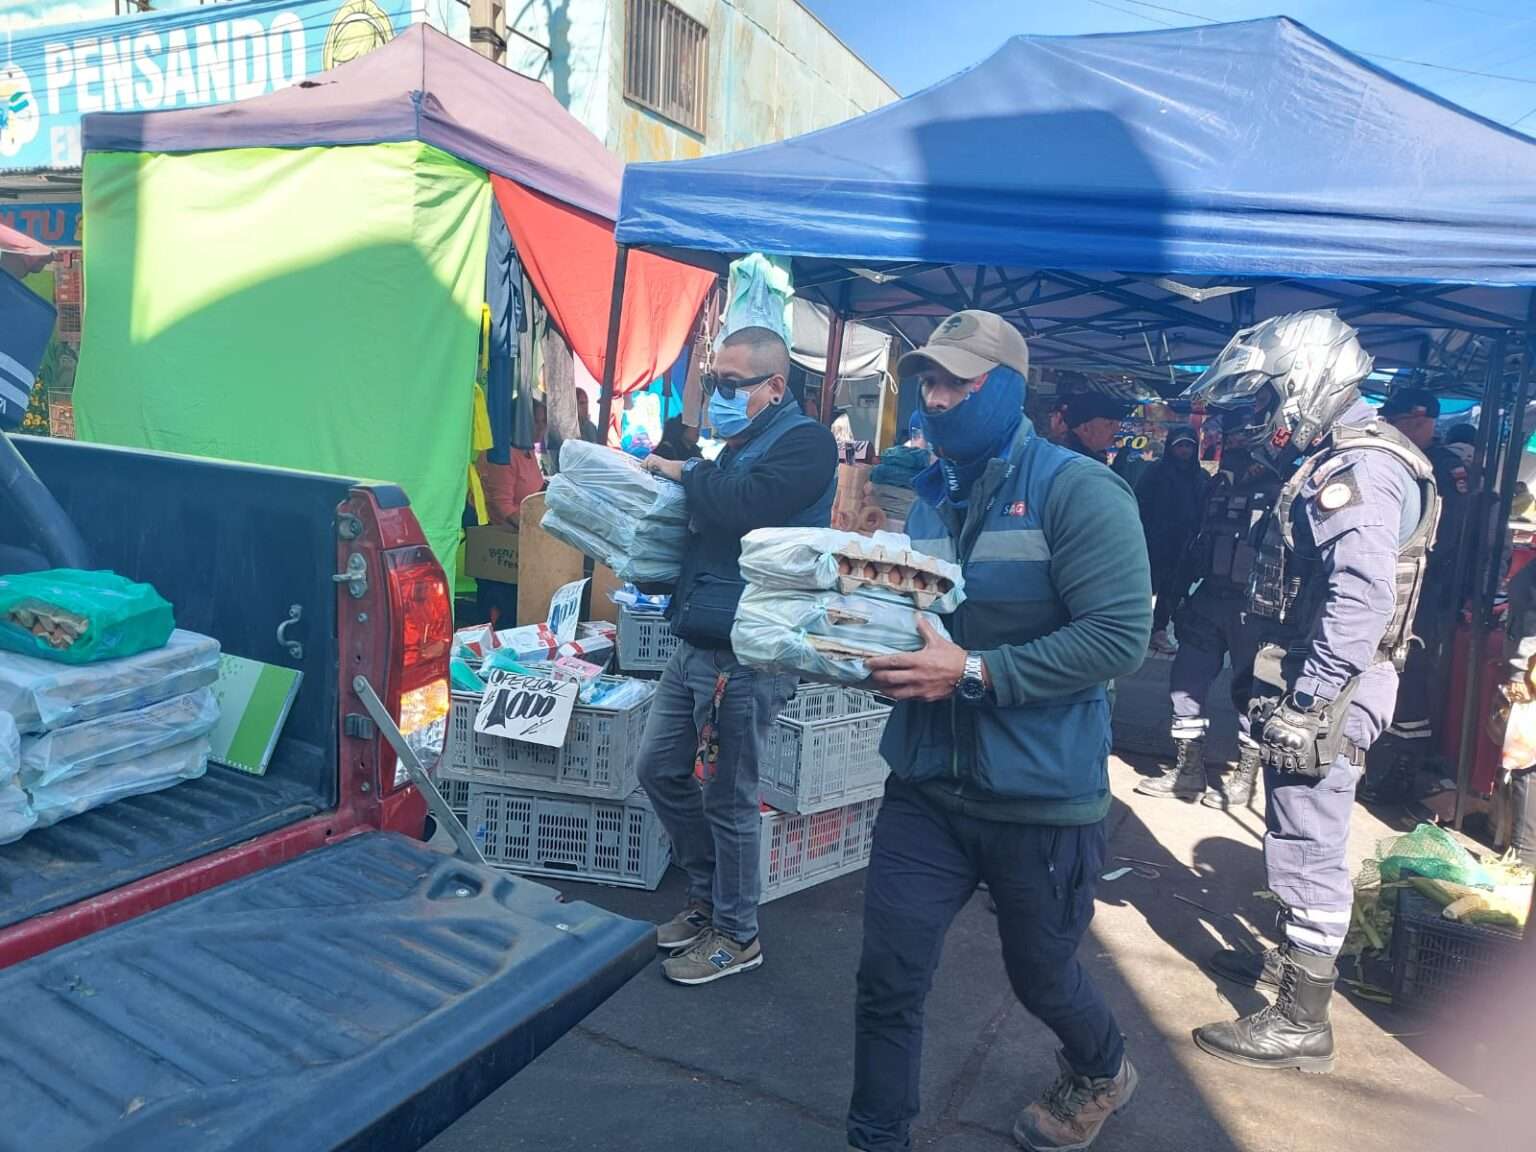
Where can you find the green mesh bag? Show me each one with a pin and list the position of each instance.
(76, 617)
(1429, 851)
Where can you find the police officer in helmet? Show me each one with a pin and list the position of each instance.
(1212, 627)
(1334, 588)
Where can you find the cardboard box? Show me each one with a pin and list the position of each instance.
(490, 553)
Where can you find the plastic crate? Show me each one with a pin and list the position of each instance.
(802, 849)
(646, 643)
(599, 756)
(824, 750)
(456, 794)
(1435, 960)
(605, 841)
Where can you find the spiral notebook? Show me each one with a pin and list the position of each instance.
(254, 702)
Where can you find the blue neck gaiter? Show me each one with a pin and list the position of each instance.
(977, 430)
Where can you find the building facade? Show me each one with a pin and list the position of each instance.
(673, 79)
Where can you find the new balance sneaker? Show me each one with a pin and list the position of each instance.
(684, 929)
(1073, 1110)
(713, 957)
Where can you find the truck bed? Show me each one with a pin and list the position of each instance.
(233, 548)
(101, 850)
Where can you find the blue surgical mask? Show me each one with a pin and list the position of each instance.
(728, 417)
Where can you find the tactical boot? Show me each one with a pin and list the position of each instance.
(1187, 779)
(1293, 1032)
(1250, 969)
(1236, 788)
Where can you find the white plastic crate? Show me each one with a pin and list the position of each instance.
(799, 850)
(599, 756)
(646, 643)
(824, 750)
(456, 794)
(606, 841)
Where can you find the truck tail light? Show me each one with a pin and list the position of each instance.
(421, 636)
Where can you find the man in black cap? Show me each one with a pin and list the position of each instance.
(1171, 497)
(1392, 772)
(1092, 420)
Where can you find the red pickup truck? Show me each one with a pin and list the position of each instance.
(273, 962)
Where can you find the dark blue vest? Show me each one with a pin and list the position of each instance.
(710, 583)
(1050, 750)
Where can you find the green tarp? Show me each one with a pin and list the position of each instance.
(314, 308)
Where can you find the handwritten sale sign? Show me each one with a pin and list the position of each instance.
(529, 708)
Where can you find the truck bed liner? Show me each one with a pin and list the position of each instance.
(123, 842)
(363, 995)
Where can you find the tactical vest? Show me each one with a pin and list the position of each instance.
(1231, 526)
(1284, 571)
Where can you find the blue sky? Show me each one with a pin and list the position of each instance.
(913, 43)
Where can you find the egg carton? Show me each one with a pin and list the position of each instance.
(910, 574)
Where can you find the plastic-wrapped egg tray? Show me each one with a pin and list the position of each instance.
(909, 574)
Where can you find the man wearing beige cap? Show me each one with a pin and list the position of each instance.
(999, 740)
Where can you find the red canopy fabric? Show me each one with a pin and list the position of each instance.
(569, 255)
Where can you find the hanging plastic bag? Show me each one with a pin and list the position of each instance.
(41, 695)
(758, 296)
(16, 815)
(77, 617)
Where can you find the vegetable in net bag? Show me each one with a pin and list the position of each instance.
(16, 815)
(1432, 852)
(77, 617)
(823, 635)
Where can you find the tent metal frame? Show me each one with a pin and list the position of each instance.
(1429, 330)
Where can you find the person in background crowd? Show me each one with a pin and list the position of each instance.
(711, 716)
(916, 438)
(1092, 420)
(1130, 464)
(1519, 790)
(589, 431)
(1334, 584)
(1212, 629)
(679, 441)
(1392, 772)
(999, 739)
(1171, 497)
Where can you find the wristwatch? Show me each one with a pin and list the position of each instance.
(972, 686)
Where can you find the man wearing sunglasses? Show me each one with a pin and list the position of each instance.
(711, 716)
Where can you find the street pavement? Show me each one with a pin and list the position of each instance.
(762, 1060)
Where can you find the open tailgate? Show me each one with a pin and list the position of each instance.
(364, 995)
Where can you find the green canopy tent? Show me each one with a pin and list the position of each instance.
(297, 280)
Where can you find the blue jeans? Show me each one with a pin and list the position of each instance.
(714, 826)
(926, 864)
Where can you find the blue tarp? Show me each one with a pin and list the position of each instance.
(1256, 149)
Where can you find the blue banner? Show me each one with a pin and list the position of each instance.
(56, 224)
(203, 55)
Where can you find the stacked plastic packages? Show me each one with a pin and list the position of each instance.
(94, 733)
(821, 602)
(611, 509)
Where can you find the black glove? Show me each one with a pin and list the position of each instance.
(1289, 740)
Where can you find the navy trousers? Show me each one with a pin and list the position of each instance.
(927, 862)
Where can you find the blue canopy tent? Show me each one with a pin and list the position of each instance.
(1130, 200)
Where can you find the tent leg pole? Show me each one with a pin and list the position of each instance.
(1466, 748)
(611, 349)
(834, 364)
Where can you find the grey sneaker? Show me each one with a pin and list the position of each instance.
(1068, 1117)
(714, 957)
(684, 929)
